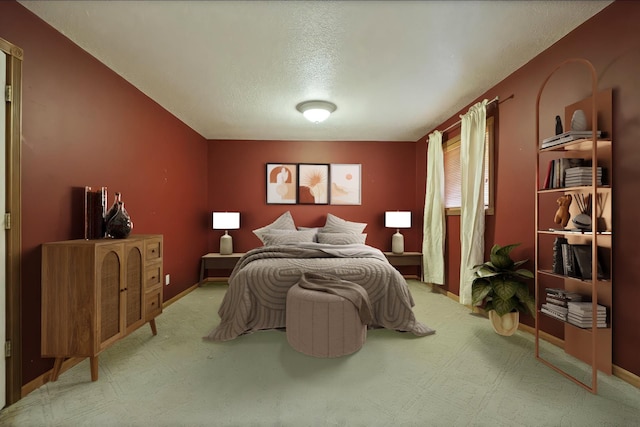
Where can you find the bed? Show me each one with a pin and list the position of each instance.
(259, 283)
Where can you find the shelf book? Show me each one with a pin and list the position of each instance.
(580, 314)
(581, 175)
(582, 257)
(554, 311)
(576, 262)
(569, 264)
(557, 303)
(558, 172)
(562, 296)
(563, 138)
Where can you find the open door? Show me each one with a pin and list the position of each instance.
(3, 239)
(10, 223)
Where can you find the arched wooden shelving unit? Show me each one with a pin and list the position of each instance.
(593, 345)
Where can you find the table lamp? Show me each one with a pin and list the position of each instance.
(226, 221)
(397, 220)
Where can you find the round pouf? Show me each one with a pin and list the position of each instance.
(321, 324)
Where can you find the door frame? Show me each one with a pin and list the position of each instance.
(14, 209)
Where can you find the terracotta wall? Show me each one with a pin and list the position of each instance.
(237, 182)
(85, 125)
(611, 41)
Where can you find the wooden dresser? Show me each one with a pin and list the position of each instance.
(95, 292)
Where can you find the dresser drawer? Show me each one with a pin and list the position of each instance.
(153, 250)
(153, 276)
(153, 304)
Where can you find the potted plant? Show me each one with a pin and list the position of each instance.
(499, 285)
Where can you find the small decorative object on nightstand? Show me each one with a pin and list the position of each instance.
(226, 221)
(397, 220)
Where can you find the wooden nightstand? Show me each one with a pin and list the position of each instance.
(406, 258)
(216, 261)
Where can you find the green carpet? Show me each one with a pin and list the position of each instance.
(464, 375)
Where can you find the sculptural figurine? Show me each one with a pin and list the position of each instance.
(579, 120)
(562, 214)
(558, 125)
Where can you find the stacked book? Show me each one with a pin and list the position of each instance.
(581, 175)
(555, 177)
(572, 135)
(581, 314)
(557, 303)
(569, 263)
(555, 311)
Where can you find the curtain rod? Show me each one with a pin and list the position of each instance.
(460, 121)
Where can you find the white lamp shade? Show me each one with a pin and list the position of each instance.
(397, 219)
(316, 115)
(316, 111)
(226, 220)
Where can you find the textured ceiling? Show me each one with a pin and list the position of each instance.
(237, 70)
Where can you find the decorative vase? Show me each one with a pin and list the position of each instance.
(579, 120)
(94, 207)
(505, 325)
(120, 224)
(110, 214)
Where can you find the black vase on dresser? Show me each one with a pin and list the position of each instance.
(119, 225)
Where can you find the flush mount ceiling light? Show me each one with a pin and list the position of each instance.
(316, 111)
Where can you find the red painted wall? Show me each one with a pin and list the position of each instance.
(85, 125)
(237, 182)
(611, 41)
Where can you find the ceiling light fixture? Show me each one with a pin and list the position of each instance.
(316, 111)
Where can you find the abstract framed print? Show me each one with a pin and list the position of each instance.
(313, 184)
(282, 183)
(346, 184)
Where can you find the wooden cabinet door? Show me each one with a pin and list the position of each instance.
(134, 295)
(110, 290)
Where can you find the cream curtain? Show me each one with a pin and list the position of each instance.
(472, 199)
(434, 228)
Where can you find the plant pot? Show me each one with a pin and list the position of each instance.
(505, 325)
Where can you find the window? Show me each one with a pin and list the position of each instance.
(453, 178)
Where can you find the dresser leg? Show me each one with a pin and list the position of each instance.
(201, 273)
(93, 361)
(152, 323)
(57, 365)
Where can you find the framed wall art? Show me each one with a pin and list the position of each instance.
(345, 184)
(282, 183)
(313, 184)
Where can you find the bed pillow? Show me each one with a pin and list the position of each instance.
(341, 238)
(292, 237)
(339, 225)
(283, 222)
(316, 229)
(309, 228)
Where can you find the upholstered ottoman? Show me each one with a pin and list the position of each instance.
(322, 324)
